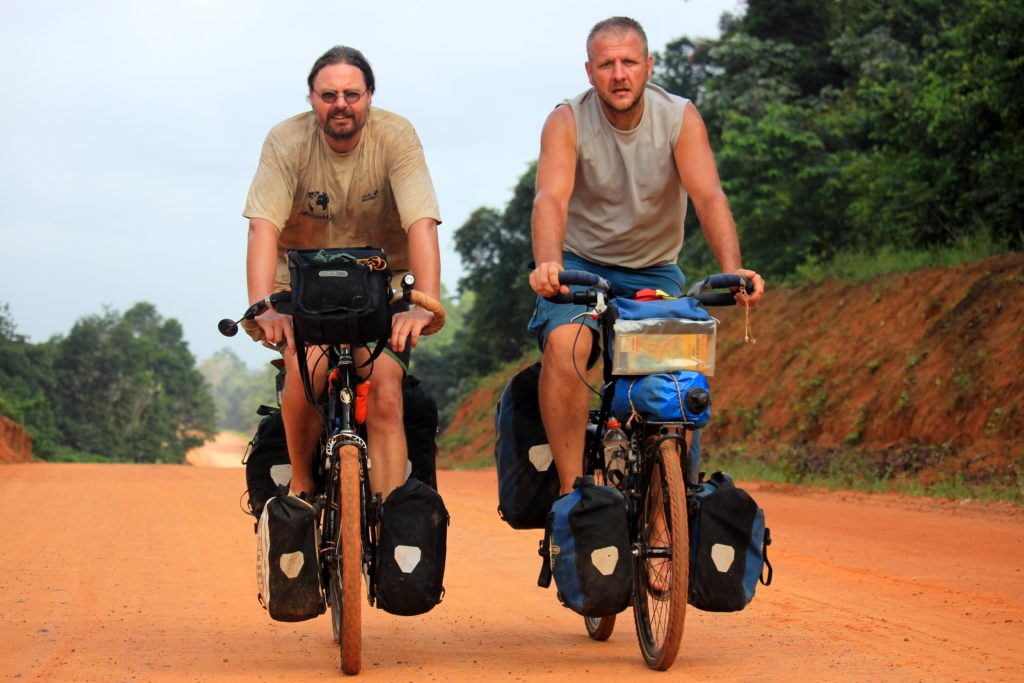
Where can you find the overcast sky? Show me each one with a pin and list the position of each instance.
(130, 130)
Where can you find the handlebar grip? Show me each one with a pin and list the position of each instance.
(716, 299)
(582, 277)
(701, 293)
(727, 280)
(429, 303)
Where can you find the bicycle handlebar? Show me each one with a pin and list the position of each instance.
(584, 278)
(720, 281)
(282, 301)
(418, 298)
(699, 291)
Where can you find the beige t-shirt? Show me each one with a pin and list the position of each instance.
(319, 198)
(628, 203)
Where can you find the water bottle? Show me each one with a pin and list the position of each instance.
(616, 447)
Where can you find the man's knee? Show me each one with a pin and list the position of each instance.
(568, 346)
(385, 401)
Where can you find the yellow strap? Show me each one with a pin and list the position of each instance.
(634, 415)
(748, 336)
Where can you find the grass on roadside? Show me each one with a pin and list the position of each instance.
(860, 266)
(918, 471)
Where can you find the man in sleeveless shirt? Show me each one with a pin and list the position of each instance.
(343, 175)
(616, 166)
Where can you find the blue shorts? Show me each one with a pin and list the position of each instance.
(625, 282)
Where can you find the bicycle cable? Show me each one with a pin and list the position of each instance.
(575, 366)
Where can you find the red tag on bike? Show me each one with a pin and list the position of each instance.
(362, 391)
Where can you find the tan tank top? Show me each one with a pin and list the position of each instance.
(627, 205)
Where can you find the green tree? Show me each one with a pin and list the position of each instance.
(435, 360)
(496, 251)
(26, 380)
(128, 388)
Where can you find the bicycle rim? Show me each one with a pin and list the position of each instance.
(350, 560)
(661, 568)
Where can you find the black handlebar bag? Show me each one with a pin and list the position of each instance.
(340, 296)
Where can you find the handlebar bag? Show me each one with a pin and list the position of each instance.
(684, 308)
(527, 478)
(340, 296)
(661, 335)
(680, 396)
(728, 546)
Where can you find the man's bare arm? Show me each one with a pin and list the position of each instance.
(699, 177)
(556, 175)
(261, 270)
(425, 262)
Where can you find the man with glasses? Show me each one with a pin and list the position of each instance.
(343, 175)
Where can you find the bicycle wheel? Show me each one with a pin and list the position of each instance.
(661, 568)
(600, 628)
(330, 527)
(349, 545)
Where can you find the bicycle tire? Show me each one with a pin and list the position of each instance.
(350, 557)
(660, 613)
(599, 628)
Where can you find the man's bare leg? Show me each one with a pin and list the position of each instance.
(564, 398)
(384, 428)
(301, 418)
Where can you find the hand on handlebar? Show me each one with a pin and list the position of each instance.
(544, 279)
(752, 298)
(407, 325)
(277, 327)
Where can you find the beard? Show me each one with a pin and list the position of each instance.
(353, 125)
(619, 108)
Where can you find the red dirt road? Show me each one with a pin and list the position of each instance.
(148, 573)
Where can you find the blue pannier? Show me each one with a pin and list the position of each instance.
(728, 546)
(586, 548)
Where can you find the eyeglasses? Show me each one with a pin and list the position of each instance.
(350, 96)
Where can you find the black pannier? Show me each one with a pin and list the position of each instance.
(527, 477)
(266, 460)
(288, 559)
(340, 296)
(728, 546)
(420, 420)
(411, 550)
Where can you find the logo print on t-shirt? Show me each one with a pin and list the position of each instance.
(316, 204)
(370, 196)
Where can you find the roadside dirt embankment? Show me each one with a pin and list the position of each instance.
(924, 367)
(15, 443)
